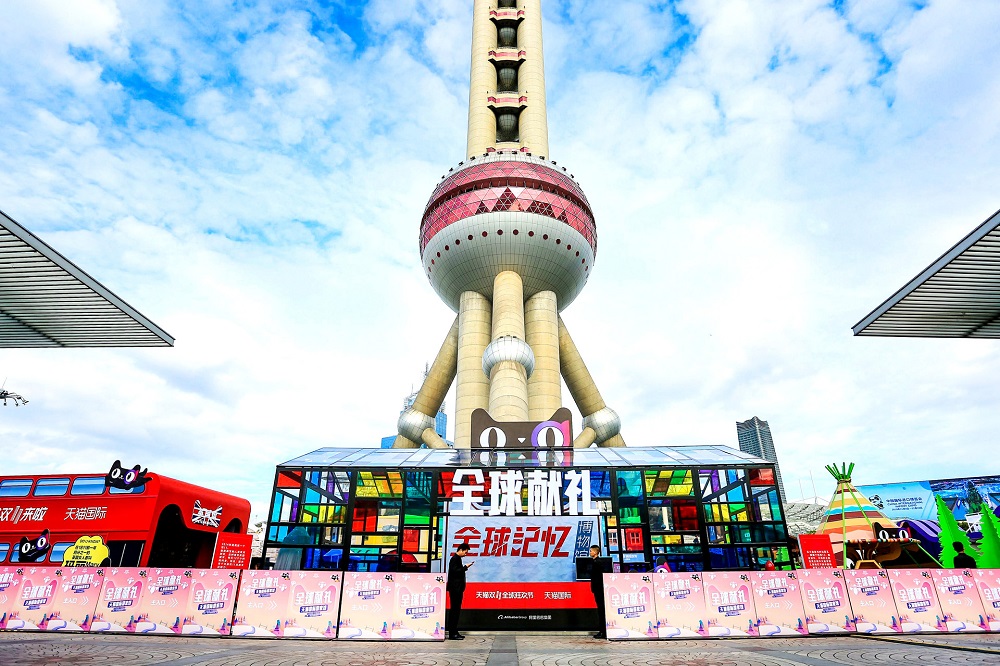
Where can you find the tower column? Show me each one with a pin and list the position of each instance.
(416, 424)
(483, 82)
(533, 124)
(600, 423)
(506, 359)
(541, 332)
(473, 388)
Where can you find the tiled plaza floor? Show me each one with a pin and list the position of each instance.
(495, 650)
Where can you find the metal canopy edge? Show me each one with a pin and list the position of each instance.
(971, 288)
(67, 296)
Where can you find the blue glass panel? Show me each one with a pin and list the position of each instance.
(15, 488)
(51, 487)
(87, 485)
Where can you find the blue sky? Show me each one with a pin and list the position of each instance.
(250, 175)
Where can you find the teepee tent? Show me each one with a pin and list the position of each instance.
(849, 516)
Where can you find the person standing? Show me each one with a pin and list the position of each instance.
(962, 559)
(597, 571)
(456, 589)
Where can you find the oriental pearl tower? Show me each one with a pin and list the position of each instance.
(507, 240)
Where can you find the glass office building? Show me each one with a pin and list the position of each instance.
(687, 508)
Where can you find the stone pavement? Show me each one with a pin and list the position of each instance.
(25, 649)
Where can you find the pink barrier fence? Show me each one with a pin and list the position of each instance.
(405, 606)
(809, 601)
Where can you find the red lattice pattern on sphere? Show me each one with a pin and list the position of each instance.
(508, 186)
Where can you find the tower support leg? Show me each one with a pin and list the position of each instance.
(416, 424)
(600, 423)
(508, 377)
(473, 389)
(541, 332)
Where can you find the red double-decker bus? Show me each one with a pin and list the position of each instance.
(163, 523)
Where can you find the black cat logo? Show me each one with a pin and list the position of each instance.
(34, 549)
(125, 479)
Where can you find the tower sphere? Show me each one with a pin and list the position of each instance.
(508, 212)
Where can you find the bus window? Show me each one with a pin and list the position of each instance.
(58, 550)
(15, 488)
(87, 485)
(51, 487)
(128, 491)
(4, 547)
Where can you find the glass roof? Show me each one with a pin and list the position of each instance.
(651, 456)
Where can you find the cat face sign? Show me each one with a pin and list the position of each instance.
(125, 479)
(556, 433)
(32, 550)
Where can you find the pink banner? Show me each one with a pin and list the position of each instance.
(10, 597)
(779, 603)
(916, 601)
(824, 599)
(314, 597)
(730, 604)
(960, 602)
(988, 582)
(630, 606)
(367, 605)
(871, 598)
(211, 602)
(262, 611)
(419, 610)
(163, 601)
(76, 598)
(39, 586)
(118, 606)
(680, 605)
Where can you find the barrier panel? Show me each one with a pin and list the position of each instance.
(366, 605)
(211, 603)
(419, 607)
(871, 598)
(411, 606)
(288, 604)
(38, 593)
(163, 601)
(988, 584)
(630, 606)
(10, 595)
(825, 601)
(916, 601)
(77, 593)
(779, 603)
(960, 603)
(680, 605)
(118, 603)
(731, 609)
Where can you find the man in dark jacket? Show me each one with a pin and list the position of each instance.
(597, 571)
(456, 589)
(962, 559)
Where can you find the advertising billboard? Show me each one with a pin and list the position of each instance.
(680, 605)
(630, 606)
(960, 602)
(367, 606)
(730, 604)
(39, 586)
(967, 498)
(779, 603)
(825, 601)
(871, 598)
(419, 610)
(916, 601)
(118, 606)
(77, 594)
(211, 602)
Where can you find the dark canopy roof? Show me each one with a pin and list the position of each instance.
(48, 301)
(958, 296)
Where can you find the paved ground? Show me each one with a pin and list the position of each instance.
(495, 650)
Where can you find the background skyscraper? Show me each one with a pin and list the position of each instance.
(755, 439)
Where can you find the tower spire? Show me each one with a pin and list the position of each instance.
(507, 82)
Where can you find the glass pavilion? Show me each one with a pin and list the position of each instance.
(691, 508)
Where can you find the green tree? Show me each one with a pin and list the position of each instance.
(989, 547)
(950, 533)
